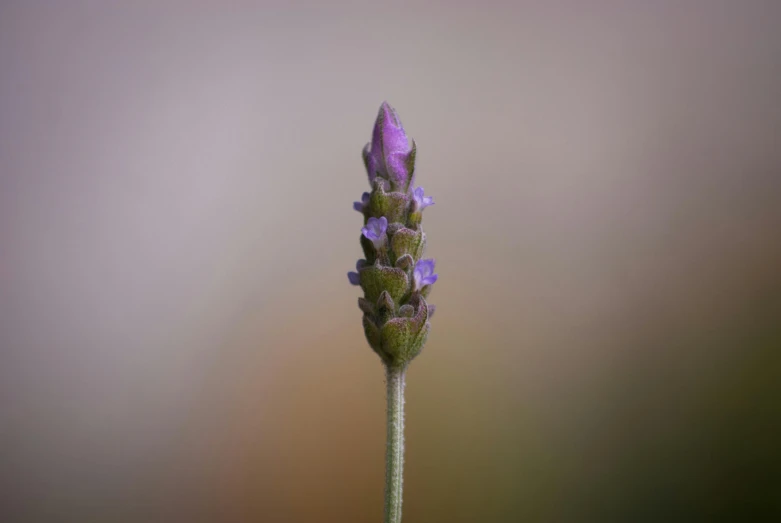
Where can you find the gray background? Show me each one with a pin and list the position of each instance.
(179, 340)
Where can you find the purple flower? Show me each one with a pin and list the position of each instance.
(387, 154)
(424, 274)
(421, 202)
(354, 277)
(359, 206)
(375, 230)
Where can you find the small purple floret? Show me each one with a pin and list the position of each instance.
(354, 277)
(360, 206)
(375, 230)
(421, 202)
(424, 274)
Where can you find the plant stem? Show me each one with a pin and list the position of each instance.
(394, 457)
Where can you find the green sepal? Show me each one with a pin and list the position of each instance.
(410, 164)
(420, 340)
(386, 309)
(397, 335)
(421, 245)
(393, 228)
(366, 306)
(374, 337)
(375, 279)
(421, 320)
(404, 262)
(403, 338)
(392, 205)
(406, 311)
(407, 241)
(414, 219)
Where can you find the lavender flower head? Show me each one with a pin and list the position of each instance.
(395, 280)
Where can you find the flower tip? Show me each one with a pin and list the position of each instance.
(354, 277)
(389, 132)
(389, 113)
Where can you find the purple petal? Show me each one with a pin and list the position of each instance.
(424, 273)
(429, 280)
(393, 137)
(371, 224)
(354, 277)
(396, 166)
(375, 151)
(421, 201)
(359, 206)
(426, 267)
(375, 230)
(368, 233)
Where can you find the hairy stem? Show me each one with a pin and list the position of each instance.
(394, 457)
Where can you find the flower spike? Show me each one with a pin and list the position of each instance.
(393, 242)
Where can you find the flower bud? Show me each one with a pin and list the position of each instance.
(389, 154)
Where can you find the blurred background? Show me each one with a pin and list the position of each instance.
(178, 338)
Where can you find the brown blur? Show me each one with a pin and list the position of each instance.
(178, 339)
